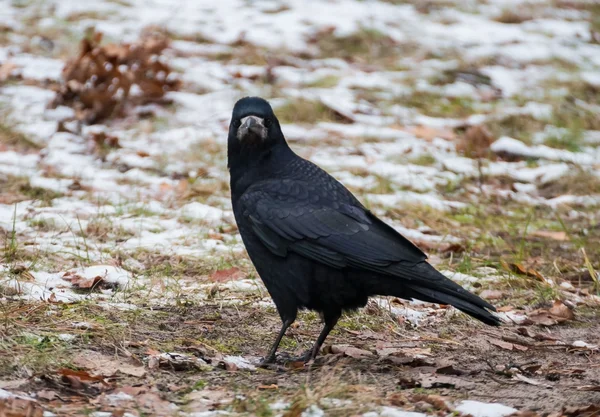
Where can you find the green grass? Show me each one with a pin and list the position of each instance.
(435, 105)
(305, 111)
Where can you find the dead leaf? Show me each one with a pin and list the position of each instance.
(476, 142)
(47, 395)
(558, 313)
(175, 361)
(389, 351)
(585, 411)
(225, 275)
(268, 387)
(449, 370)
(430, 133)
(13, 384)
(501, 344)
(437, 401)
(6, 70)
(107, 366)
(80, 375)
(442, 381)
(208, 399)
(521, 270)
(559, 309)
(491, 294)
(80, 282)
(351, 351)
(530, 381)
(595, 388)
(13, 405)
(560, 236)
(100, 80)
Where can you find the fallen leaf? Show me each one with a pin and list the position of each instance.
(268, 387)
(585, 411)
(81, 282)
(558, 313)
(81, 375)
(6, 70)
(175, 361)
(542, 318)
(442, 381)
(595, 388)
(530, 381)
(491, 294)
(559, 309)
(13, 384)
(389, 351)
(224, 275)
(501, 344)
(351, 351)
(107, 366)
(208, 399)
(47, 395)
(12, 405)
(560, 236)
(522, 270)
(449, 370)
(476, 142)
(430, 133)
(437, 401)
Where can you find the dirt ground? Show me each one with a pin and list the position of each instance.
(391, 364)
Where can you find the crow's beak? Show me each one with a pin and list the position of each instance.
(252, 128)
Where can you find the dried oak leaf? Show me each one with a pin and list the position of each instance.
(224, 275)
(351, 351)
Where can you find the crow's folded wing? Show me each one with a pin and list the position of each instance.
(324, 224)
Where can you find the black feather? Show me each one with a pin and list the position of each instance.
(314, 244)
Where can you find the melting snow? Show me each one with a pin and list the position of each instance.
(479, 409)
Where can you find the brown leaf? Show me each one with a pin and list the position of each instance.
(6, 70)
(522, 270)
(351, 351)
(224, 275)
(476, 142)
(560, 236)
(268, 387)
(530, 381)
(449, 370)
(559, 309)
(80, 375)
(595, 388)
(81, 282)
(491, 294)
(107, 366)
(19, 406)
(430, 133)
(585, 411)
(542, 318)
(47, 395)
(501, 344)
(442, 381)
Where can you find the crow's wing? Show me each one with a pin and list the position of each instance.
(322, 221)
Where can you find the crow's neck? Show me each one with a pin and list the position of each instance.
(250, 167)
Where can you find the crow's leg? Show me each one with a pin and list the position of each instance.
(271, 356)
(330, 319)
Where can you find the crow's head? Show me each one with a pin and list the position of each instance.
(254, 125)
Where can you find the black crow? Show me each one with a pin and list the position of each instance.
(314, 245)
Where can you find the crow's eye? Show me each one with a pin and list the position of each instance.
(237, 123)
(268, 123)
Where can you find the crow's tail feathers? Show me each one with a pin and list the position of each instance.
(423, 282)
(478, 311)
